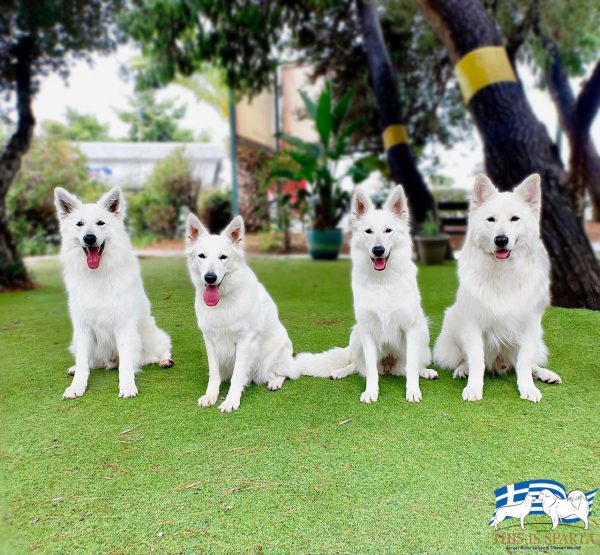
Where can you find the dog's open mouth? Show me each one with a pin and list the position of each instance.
(502, 254)
(211, 295)
(380, 262)
(93, 255)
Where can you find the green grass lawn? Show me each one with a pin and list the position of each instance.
(308, 469)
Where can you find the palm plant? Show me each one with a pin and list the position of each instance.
(317, 162)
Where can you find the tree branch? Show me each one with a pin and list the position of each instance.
(588, 102)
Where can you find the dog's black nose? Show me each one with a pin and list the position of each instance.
(378, 250)
(89, 238)
(501, 241)
(210, 277)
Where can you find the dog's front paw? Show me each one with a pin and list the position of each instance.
(369, 396)
(461, 372)
(338, 374)
(73, 391)
(413, 394)
(229, 405)
(71, 371)
(128, 390)
(276, 383)
(207, 400)
(428, 374)
(472, 393)
(530, 393)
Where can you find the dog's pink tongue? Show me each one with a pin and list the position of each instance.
(379, 263)
(502, 254)
(211, 295)
(93, 258)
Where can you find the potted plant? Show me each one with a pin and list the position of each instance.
(431, 243)
(316, 163)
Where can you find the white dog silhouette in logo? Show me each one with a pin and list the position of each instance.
(575, 505)
(520, 511)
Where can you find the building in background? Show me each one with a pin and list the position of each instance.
(128, 165)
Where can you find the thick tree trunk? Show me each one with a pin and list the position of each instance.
(516, 144)
(383, 80)
(575, 117)
(13, 274)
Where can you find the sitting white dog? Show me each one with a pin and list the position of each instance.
(112, 324)
(519, 510)
(575, 505)
(245, 341)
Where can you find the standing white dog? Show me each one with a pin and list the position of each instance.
(112, 324)
(391, 334)
(575, 505)
(496, 321)
(519, 510)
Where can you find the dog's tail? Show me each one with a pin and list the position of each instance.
(320, 365)
(577, 498)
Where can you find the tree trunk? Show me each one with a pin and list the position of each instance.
(516, 144)
(575, 117)
(383, 80)
(13, 274)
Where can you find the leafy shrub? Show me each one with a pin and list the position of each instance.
(169, 190)
(50, 163)
(215, 210)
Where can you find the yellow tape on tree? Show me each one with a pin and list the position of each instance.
(394, 135)
(482, 67)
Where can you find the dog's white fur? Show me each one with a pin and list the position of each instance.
(391, 334)
(520, 511)
(496, 321)
(575, 505)
(110, 312)
(245, 341)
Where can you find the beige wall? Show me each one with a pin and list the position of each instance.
(256, 119)
(294, 79)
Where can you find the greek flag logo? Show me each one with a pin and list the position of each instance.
(523, 498)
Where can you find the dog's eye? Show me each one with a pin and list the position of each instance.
(79, 223)
(515, 219)
(491, 219)
(368, 231)
(201, 255)
(223, 257)
(99, 222)
(388, 230)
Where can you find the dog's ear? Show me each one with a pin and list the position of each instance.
(482, 191)
(65, 202)
(114, 202)
(235, 231)
(396, 202)
(531, 192)
(361, 204)
(193, 229)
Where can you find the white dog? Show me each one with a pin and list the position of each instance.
(519, 510)
(575, 505)
(245, 341)
(496, 321)
(112, 324)
(391, 334)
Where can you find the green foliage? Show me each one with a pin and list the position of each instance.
(316, 162)
(430, 227)
(51, 162)
(269, 241)
(215, 210)
(60, 31)
(79, 127)
(153, 121)
(158, 208)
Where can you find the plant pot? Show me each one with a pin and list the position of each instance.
(324, 245)
(432, 250)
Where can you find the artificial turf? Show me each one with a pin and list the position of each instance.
(308, 469)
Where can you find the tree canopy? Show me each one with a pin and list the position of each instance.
(79, 127)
